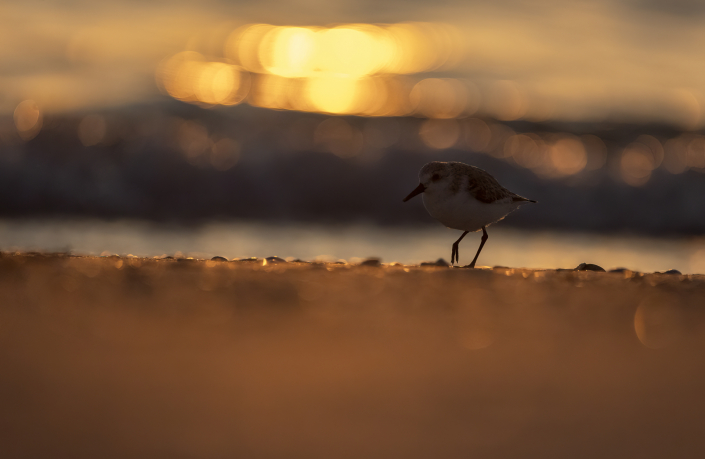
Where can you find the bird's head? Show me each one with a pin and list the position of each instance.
(433, 175)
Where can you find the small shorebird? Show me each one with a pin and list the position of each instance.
(465, 198)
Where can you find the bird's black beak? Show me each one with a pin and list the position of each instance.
(418, 190)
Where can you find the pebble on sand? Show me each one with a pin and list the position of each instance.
(439, 262)
(272, 260)
(247, 260)
(589, 267)
(376, 262)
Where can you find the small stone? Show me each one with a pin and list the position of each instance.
(218, 258)
(247, 260)
(589, 267)
(672, 271)
(376, 262)
(619, 270)
(439, 262)
(272, 260)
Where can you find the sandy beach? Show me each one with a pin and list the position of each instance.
(221, 226)
(183, 358)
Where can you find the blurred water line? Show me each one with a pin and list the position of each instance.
(409, 245)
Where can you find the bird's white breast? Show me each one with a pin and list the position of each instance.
(463, 212)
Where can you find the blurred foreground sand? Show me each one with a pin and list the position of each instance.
(160, 358)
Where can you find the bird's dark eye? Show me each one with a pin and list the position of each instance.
(435, 177)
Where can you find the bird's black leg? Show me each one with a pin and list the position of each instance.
(484, 238)
(455, 253)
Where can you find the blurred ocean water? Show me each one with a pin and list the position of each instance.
(409, 245)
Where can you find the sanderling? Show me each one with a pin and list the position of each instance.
(465, 198)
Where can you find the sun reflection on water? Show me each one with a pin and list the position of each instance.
(190, 77)
(382, 70)
(345, 69)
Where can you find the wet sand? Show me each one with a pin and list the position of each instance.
(161, 358)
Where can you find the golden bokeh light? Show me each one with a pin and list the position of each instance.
(567, 156)
(333, 94)
(356, 69)
(688, 112)
(679, 154)
(28, 119)
(374, 96)
(190, 77)
(348, 50)
(549, 155)
(272, 91)
(499, 133)
(695, 153)
(421, 47)
(354, 50)
(596, 151)
(92, 130)
(345, 69)
(175, 74)
(243, 46)
(217, 83)
(654, 146)
(194, 141)
(388, 97)
(674, 160)
(200, 149)
(636, 164)
(289, 51)
(438, 98)
(440, 134)
(526, 151)
(524, 69)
